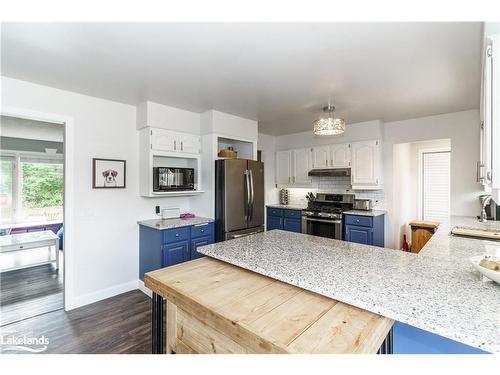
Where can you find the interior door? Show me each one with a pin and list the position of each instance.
(302, 166)
(236, 194)
(257, 207)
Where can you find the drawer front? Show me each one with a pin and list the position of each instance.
(363, 221)
(293, 214)
(202, 230)
(174, 235)
(275, 211)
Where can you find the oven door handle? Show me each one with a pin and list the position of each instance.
(323, 220)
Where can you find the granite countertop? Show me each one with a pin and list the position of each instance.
(365, 213)
(288, 206)
(161, 224)
(436, 290)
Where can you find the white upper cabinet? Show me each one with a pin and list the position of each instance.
(283, 167)
(366, 165)
(340, 155)
(321, 157)
(301, 166)
(169, 141)
(293, 166)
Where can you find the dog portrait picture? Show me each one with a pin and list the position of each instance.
(108, 173)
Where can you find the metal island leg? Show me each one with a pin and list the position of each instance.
(157, 326)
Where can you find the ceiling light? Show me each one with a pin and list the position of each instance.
(329, 125)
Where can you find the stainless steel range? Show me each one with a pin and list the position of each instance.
(323, 216)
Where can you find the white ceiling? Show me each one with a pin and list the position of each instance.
(280, 74)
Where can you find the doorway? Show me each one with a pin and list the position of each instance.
(32, 218)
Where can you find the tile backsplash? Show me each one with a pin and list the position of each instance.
(335, 184)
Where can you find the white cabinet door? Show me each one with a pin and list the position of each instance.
(340, 155)
(301, 166)
(283, 167)
(366, 165)
(189, 143)
(163, 140)
(320, 157)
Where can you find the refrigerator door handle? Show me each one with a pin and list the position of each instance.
(251, 194)
(247, 189)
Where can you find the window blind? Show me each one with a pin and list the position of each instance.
(436, 186)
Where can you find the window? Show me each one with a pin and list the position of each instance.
(7, 190)
(31, 189)
(436, 186)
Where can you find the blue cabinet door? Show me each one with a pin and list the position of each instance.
(274, 222)
(197, 242)
(293, 225)
(411, 340)
(175, 253)
(357, 234)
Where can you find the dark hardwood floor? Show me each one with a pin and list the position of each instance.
(29, 292)
(121, 324)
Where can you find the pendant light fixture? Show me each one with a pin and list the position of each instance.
(329, 125)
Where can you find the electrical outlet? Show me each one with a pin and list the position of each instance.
(157, 209)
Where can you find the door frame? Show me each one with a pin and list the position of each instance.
(68, 213)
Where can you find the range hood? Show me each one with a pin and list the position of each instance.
(345, 172)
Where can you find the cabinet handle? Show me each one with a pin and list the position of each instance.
(326, 161)
(288, 179)
(175, 145)
(202, 231)
(293, 179)
(182, 146)
(177, 235)
(284, 222)
(331, 162)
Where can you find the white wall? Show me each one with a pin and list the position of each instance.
(28, 129)
(165, 117)
(228, 125)
(267, 144)
(362, 131)
(105, 221)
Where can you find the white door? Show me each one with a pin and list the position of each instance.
(364, 159)
(320, 157)
(189, 143)
(301, 166)
(283, 167)
(163, 140)
(341, 155)
(436, 186)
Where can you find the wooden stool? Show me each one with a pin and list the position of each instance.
(421, 232)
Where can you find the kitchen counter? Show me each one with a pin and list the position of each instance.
(288, 206)
(215, 307)
(161, 224)
(436, 290)
(365, 213)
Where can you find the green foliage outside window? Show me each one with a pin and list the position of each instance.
(42, 185)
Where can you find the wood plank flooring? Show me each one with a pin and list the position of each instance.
(29, 292)
(121, 324)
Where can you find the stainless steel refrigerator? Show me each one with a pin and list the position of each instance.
(239, 198)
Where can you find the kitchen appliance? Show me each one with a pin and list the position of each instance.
(239, 198)
(323, 216)
(489, 209)
(170, 213)
(173, 179)
(334, 172)
(363, 204)
(284, 196)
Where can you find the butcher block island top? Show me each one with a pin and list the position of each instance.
(216, 307)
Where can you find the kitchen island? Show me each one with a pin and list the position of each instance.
(438, 293)
(215, 307)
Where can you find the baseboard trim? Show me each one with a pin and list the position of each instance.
(89, 298)
(143, 289)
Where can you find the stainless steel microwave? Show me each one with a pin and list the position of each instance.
(173, 179)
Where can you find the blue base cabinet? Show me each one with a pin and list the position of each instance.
(411, 340)
(367, 230)
(284, 219)
(163, 248)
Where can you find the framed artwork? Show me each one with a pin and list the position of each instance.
(108, 173)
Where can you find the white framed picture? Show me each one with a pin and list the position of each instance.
(108, 173)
